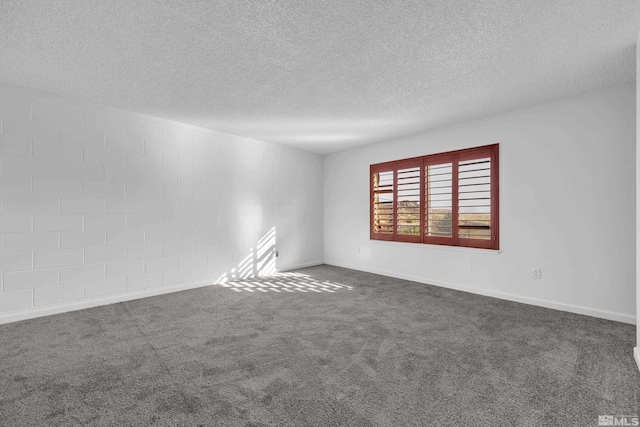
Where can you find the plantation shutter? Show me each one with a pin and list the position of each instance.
(383, 219)
(477, 211)
(409, 200)
(440, 199)
(445, 199)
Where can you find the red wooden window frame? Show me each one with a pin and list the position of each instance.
(424, 162)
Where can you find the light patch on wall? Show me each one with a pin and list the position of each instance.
(261, 260)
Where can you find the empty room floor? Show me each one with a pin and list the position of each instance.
(321, 346)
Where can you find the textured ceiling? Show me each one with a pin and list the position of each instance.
(320, 75)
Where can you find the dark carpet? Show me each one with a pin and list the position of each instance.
(322, 346)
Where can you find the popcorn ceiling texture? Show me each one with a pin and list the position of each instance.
(322, 75)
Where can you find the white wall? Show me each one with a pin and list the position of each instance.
(567, 206)
(100, 205)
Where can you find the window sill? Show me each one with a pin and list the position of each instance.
(438, 247)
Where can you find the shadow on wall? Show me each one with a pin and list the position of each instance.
(261, 260)
(285, 282)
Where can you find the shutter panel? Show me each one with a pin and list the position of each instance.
(439, 195)
(476, 199)
(409, 200)
(383, 202)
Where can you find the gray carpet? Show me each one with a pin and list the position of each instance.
(322, 347)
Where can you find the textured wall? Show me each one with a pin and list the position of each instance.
(567, 188)
(100, 205)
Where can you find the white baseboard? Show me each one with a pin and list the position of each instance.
(304, 265)
(95, 302)
(587, 311)
(636, 355)
(81, 305)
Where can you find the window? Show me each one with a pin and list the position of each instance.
(443, 199)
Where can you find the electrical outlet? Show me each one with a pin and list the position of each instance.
(536, 273)
(277, 254)
(357, 250)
